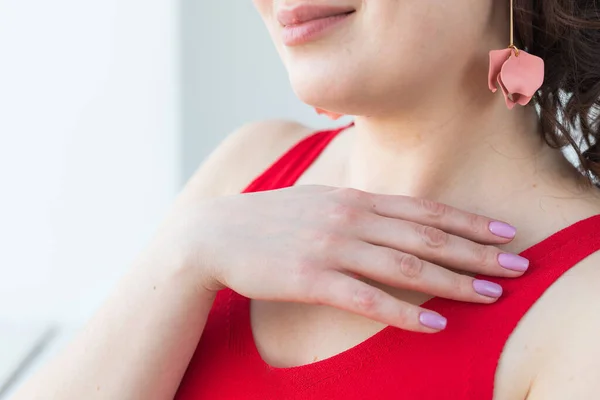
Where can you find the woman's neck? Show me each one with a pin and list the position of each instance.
(479, 158)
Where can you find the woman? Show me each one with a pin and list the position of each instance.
(368, 292)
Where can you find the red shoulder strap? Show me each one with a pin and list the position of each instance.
(550, 259)
(291, 165)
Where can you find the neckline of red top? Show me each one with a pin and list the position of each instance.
(540, 255)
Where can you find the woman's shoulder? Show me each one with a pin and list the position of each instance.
(564, 324)
(567, 355)
(243, 155)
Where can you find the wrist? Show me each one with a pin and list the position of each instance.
(175, 269)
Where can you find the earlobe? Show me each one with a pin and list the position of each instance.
(332, 115)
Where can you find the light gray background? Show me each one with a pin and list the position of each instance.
(231, 75)
(106, 109)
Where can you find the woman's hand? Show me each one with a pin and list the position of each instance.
(310, 244)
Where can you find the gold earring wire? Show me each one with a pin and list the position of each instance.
(512, 30)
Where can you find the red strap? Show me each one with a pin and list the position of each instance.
(290, 167)
(550, 259)
(459, 363)
(472, 345)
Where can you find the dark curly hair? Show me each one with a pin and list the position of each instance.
(566, 35)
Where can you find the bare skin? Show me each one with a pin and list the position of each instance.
(426, 127)
(534, 363)
(414, 75)
(162, 307)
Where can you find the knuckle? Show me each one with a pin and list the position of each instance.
(476, 223)
(433, 209)
(352, 195)
(303, 270)
(365, 298)
(344, 214)
(403, 316)
(433, 237)
(484, 256)
(457, 285)
(410, 266)
(326, 240)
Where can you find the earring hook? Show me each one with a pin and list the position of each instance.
(512, 29)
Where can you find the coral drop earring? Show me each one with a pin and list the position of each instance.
(518, 73)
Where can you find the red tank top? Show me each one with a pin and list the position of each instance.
(458, 363)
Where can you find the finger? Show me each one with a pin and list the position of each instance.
(438, 247)
(401, 270)
(449, 219)
(346, 293)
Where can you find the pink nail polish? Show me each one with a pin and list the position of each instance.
(433, 321)
(488, 289)
(513, 262)
(502, 229)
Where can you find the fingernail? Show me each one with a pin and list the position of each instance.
(513, 262)
(433, 321)
(486, 288)
(502, 229)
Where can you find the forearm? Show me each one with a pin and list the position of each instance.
(137, 346)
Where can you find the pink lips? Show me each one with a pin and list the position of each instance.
(304, 23)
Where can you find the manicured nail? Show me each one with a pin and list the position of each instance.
(486, 288)
(513, 262)
(503, 230)
(433, 321)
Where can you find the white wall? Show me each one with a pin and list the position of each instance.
(232, 75)
(89, 142)
(106, 107)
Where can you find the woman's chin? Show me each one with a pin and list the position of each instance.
(343, 91)
(323, 95)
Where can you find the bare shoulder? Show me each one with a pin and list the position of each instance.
(243, 155)
(570, 367)
(554, 351)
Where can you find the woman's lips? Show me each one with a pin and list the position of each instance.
(306, 23)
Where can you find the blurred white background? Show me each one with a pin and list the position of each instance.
(106, 108)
